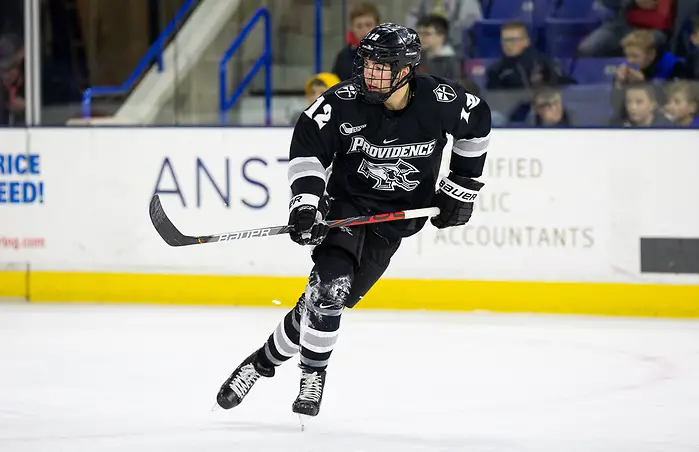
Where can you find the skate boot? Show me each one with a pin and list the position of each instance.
(236, 387)
(310, 393)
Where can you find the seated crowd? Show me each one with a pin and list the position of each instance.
(556, 63)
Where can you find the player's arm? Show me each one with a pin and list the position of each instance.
(311, 153)
(470, 127)
(471, 137)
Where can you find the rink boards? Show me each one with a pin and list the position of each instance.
(580, 221)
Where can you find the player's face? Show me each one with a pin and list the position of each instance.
(639, 105)
(377, 76)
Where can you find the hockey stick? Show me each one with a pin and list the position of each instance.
(174, 237)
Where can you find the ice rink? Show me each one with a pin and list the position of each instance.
(84, 378)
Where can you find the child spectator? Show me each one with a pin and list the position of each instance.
(522, 66)
(549, 110)
(438, 57)
(315, 87)
(462, 14)
(683, 104)
(362, 19)
(645, 63)
(641, 109)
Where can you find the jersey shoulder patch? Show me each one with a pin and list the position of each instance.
(346, 91)
(444, 93)
(436, 89)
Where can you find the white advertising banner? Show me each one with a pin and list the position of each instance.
(572, 205)
(557, 206)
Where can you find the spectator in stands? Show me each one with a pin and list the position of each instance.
(693, 53)
(522, 66)
(315, 87)
(438, 57)
(12, 104)
(460, 13)
(644, 62)
(549, 110)
(683, 103)
(666, 18)
(641, 109)
(362, 19)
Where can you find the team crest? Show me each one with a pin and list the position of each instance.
(389, 176)
(444, 93)
(348, 92)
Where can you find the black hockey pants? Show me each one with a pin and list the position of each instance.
(347, 264)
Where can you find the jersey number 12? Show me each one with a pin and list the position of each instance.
(320, 118)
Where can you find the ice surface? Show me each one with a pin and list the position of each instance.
(90, 378)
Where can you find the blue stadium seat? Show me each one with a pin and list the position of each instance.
(590, 71)
(588, 105)
(580, 9)
(564, 35)
(542, 10)
(522, 10)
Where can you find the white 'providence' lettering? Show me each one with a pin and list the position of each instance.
(402, 151)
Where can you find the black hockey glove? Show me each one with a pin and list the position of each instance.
(308, 226)
(455, 198)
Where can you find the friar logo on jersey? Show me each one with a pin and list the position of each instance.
(444, 93)
(389, 176)
(348, 92)
(394, 151)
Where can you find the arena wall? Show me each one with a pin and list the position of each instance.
(570, 221)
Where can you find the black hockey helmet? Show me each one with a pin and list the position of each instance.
(390, 44)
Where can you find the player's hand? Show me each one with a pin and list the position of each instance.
(308, 226)
(455, 198)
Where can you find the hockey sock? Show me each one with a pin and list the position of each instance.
(283, 343)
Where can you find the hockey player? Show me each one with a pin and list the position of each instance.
(383, 132)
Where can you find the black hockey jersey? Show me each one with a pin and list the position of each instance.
(381, 160)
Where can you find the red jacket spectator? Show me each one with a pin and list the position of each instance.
(652, 14)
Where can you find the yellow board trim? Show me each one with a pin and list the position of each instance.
(659, 300)
(13, 284)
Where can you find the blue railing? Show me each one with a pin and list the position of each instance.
(319, 35)
(265, 59)
(154, 52)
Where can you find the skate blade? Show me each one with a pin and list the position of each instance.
(303, 420)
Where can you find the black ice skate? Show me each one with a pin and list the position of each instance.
(310, 393)
(236, 387)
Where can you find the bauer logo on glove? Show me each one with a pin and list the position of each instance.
(457, 192)
(455, 200)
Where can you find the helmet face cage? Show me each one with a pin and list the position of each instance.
(396, 57)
